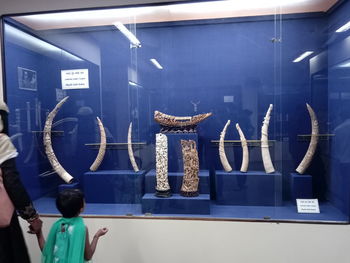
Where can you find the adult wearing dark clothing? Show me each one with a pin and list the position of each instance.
(12, 245)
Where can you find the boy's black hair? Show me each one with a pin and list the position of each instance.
(69, 202)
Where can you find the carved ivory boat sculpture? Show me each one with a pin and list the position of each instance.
(170, 123)
(190, 179)
(225, 164)
(102, 149)
(48, 144)
(162, 187)
(265, 153)
(245, 155)
(313, 142)
(130, 151)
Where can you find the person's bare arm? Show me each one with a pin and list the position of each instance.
(91, 247)
(41, 239)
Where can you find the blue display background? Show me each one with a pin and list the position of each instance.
(204, 62)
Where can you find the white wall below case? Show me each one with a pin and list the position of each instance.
(174, 241)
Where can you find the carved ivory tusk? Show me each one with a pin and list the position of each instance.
(245, 155)
(313, 142)
(130, 152)
(48, 144)
(176, 121)
(222, 154)
(102, 149)
(265, 153)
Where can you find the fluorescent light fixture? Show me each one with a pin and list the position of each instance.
(345, 64)
(134, 84)
(37, 45)
(132, 38)
(156, 63)
(302, 56)
(343, 28)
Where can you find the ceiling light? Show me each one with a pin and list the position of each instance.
(343, 28)
(132, 38)
(156, 63)
(302, 56)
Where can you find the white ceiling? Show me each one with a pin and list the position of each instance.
(173, 12)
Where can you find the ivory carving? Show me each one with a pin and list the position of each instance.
(170, 123)
(48, 144)
(191, 168)
(265, 153)
(245, 155)
(162, 187)
(225, 164)
(102, 149)
(313, 142)
(130, 151)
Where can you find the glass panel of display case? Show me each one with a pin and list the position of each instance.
(224, 110)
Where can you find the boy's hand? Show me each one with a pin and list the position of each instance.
(101, 232)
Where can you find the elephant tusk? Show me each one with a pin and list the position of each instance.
(102, 149)
(48, 144)
(245, 155)
(178, 121)
(130, 151)
(222, 154)
(313, 142)
(265, 153)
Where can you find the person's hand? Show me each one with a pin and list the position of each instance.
(35, 226)
(101, 232)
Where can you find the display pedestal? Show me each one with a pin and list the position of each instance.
(176, 204)
(62, 187)
(300, 186)
(253, 188)
(175, 160)
(114, 186)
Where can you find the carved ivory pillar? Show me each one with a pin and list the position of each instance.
(265, 153)
(162, 187)
(48, 144)
(313, 142)
(191, 168)
(225, 164)
(245, 155)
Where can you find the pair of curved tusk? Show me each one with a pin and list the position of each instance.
(245, 157)
(130, 151)
(58, 168)
(304, 164)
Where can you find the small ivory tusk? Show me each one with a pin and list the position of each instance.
(102, 149)
(304, 164)
(225, 164)
(130, 151)
(265, 153)
(245, 155)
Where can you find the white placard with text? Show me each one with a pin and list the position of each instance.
(75, 79)
(308, 206)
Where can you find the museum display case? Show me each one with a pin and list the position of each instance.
(223, 110)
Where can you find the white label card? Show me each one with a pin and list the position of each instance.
(308, 206)
(75, 79)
